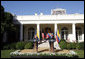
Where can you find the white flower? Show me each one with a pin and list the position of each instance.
(11, 53)
(20, 53)
(72, 52)
(38, 54)
(53, 53)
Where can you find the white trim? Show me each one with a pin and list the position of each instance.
(49, 22)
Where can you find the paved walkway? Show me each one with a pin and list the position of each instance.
(43, 50)
(44, 45)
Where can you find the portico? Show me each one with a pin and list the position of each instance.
(67, 31)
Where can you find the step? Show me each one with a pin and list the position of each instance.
(46, 45)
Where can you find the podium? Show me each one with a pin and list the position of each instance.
(35, 45)
(51, 43)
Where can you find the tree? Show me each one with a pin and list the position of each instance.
(6, 22)
(2, 19)
(9, 26)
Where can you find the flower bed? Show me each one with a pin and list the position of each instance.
(18, 54)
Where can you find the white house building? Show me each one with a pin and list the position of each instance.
(71, 26)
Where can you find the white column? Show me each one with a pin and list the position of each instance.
(38, 29)
(55, 28)
(21, 32)
(74, 31)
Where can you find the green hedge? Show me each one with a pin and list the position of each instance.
(80, 46)
(64, 45)
(68, 46)
(28, 45)
(20, 45)
(71, 45)
(10, 46)
(6, 47)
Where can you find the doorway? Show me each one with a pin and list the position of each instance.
(78, 33)
(31, 32)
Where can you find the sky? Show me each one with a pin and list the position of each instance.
(32, 7)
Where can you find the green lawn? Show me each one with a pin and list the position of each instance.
(80, 53)
(6, 53)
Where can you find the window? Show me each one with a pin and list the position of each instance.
(78, 33)
(31, 32)
(64, 33)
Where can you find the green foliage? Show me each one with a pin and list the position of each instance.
(2, 13)
(20, 45)
(6, 54)
(77, 46)
(7, 24)
(9, 46)
(63, 44)
(6, 47)
(2, 19)
(80, 46)
(29, 45)
(12, 46)
(73, 45)
(80, 53)
(69, 46)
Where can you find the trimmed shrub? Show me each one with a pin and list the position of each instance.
(80, 46)
(71, 46)
(12, 46)
(63, 44)
(6, 47)
(77, 46)
(29, 45)
(20, 45)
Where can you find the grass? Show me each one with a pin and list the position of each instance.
(6, 53)
(80, 53)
